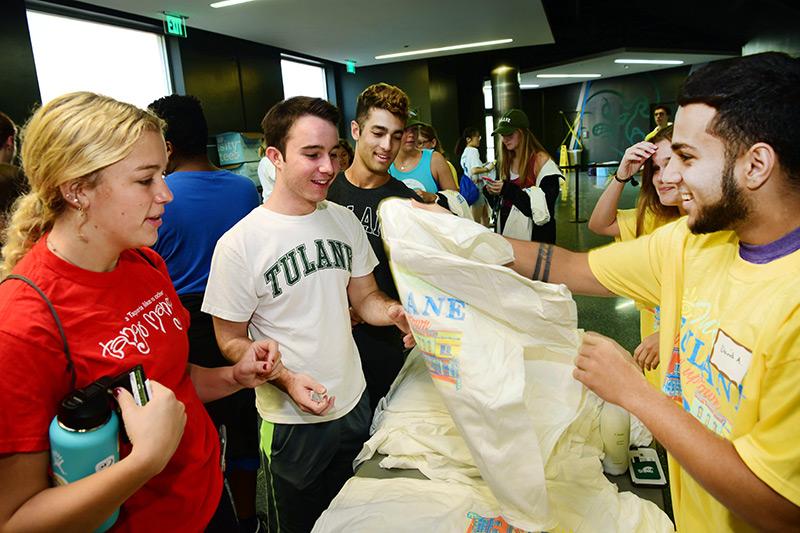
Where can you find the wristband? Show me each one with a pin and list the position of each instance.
(622, 181)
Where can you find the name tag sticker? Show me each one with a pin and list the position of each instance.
(730, 357)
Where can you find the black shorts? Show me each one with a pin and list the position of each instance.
(307, 465)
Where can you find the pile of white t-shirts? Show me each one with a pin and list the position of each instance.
(507, 419)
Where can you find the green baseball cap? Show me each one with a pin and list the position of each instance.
(413, 119)
(513, 119)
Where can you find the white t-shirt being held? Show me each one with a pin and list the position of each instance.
(287, 276)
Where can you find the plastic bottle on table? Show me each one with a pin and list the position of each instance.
(615, 426)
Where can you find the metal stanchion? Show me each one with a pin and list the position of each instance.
(577, 219)
(577, 168)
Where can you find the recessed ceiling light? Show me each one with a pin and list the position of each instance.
(444, 49)
(528, 86)
(649, 61)
(226, 3)
(568, 75)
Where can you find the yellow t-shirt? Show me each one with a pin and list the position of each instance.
(725, 314)
(455, 175)
(626, 221)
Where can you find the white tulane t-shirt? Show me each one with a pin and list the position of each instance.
(287, 276)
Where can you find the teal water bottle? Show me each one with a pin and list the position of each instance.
(84, 438)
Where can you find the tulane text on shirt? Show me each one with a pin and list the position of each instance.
(300, 262)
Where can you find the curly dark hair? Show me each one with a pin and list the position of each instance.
(381, 96)
(187, 129)
(757, 99)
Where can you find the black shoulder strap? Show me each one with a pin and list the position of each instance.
(70, 366)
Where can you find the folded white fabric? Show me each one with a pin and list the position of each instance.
(475, 323)
(495, 405)
(403, 505)
(580, 496)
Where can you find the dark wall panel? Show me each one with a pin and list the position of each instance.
(544, 108)
(412, 77)
(443, 93)
(236, 80)
(262, 85)
(471, 110)
(20, 88)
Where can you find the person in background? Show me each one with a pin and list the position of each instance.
(96, 172)
(12, 180)
(424, 170)
(345, 155)
(658, 203)
(726, 278)
(428, 139)
(381, 114)
(661, 115)
(524, 166)
(471, 165)
(12, 185)
(8, 139)
(287, 271)
(207, 202)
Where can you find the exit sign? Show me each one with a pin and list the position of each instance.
(174, 24)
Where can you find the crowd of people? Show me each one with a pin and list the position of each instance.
(277, 318)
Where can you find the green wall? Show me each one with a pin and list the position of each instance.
(618, 111)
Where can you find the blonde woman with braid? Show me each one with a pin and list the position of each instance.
(95, 168)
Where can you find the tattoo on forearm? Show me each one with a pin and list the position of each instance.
(538, 263)
(543, 258)
(548, 258)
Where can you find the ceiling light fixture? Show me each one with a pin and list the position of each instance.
(568, 75)
(529, 86)
(226, 3)
(649, 61)
(444, 49)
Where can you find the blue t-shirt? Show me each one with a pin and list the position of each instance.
(420, 177)
(206, 205)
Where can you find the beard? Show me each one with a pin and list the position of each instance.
(730, 210)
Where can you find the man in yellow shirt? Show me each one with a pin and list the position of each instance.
(727, 278)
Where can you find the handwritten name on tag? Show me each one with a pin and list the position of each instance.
(730, 357)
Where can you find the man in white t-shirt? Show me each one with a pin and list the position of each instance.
(288, 271)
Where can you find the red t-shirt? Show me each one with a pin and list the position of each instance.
(113, 321)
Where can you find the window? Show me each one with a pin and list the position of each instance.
(303, 79)
(489, 121)
(487, 95)
(489, 138)
(77, 55)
